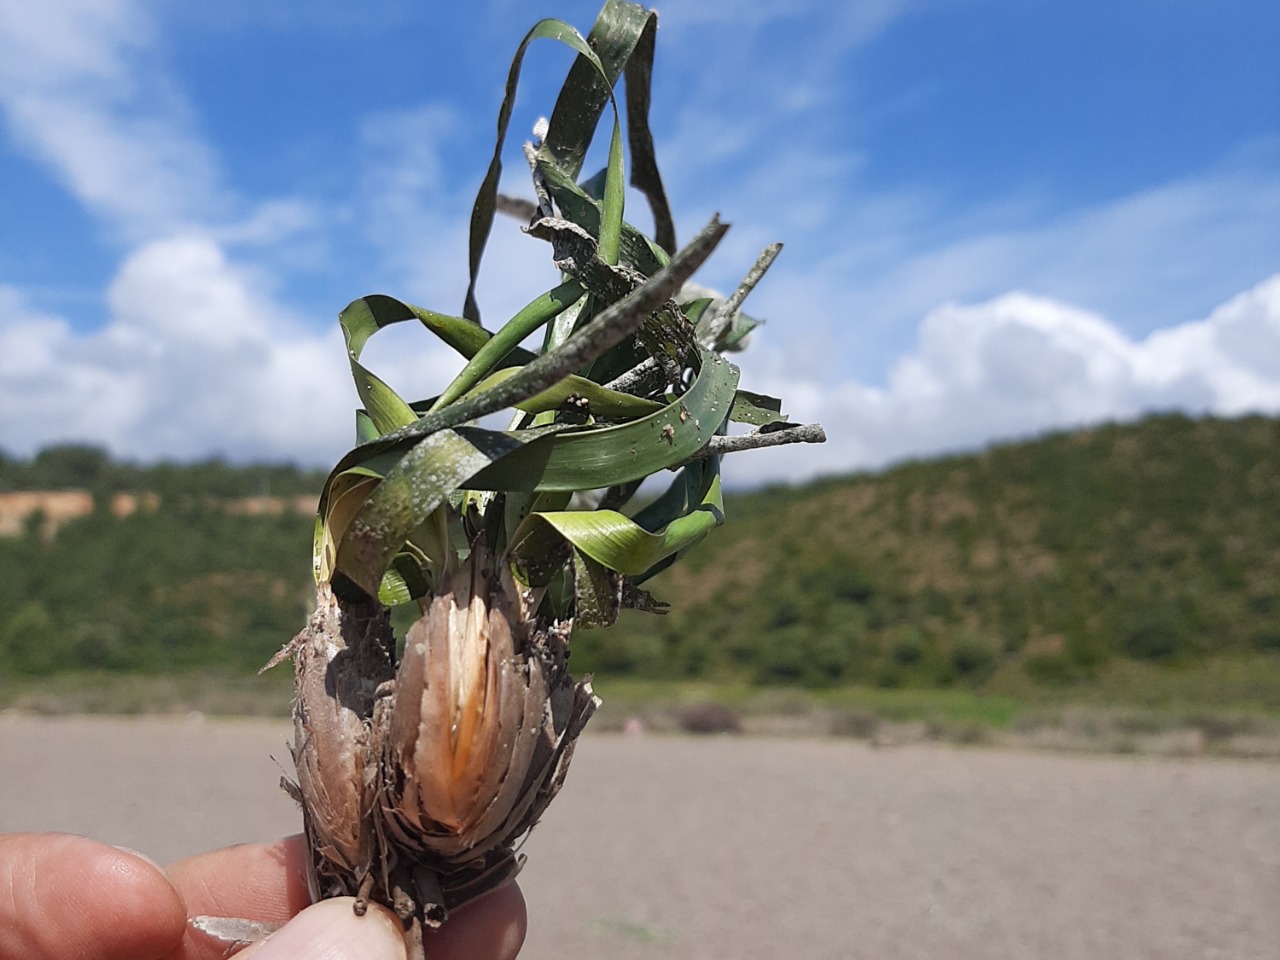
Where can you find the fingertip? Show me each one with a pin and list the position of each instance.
(258, 881)
(331, 930)
(62, 895)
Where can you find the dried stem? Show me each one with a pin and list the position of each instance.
(754, 276)
(724, 315)
(776, 437)
(604, 332)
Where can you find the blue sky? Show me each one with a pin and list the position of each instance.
(1000, 216)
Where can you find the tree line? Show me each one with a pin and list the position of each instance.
(1049, 559)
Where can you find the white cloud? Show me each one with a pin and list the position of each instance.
(197, 360)
(71, 43)
(199, 356)
(1146, 261)
(83, 93)
(52, 385)
(1015, 366)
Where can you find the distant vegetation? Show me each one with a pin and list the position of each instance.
(80, 467)
(1038, 562)
(185, 584)
(1041, 564)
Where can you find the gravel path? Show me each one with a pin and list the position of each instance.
(759, 848)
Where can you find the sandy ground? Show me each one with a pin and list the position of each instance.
(756, 848)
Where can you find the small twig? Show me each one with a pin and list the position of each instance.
(517, 207)
(544, 207)
(800, 433)
(754, 276)
(634, 381)
(724, 314)
(609, 328)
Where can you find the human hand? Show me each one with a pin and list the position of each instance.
(63, 896)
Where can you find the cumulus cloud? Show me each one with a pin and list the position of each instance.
(198, 356)
(197, 360)
(1015, 366)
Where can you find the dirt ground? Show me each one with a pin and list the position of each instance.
(763, 848)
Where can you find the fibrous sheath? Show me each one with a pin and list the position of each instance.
(343, 660)
(418, 780)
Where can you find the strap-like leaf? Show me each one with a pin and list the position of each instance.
(616, 541)
(487, 197)
(756, 409)
(366, 316)
(644, 163)
(375, 522)
(635, 249)
(589, 86)
(591, 459)
(421, 481)
(605, 331)
(545, 308)
(397, 510)
(342, 501)
(592, 398)
(383, 406)
(615, 191)
(595, 593)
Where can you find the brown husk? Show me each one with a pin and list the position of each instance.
(418, 781)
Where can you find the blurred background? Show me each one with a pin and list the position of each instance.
(1031, 286)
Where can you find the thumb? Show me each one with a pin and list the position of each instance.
(330, 930)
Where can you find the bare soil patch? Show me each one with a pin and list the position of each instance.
(763, 848)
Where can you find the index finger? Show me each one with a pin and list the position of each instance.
(267, 882)
(252, 881)
(67, 896)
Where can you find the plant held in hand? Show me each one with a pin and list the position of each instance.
(418, 773)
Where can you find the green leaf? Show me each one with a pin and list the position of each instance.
(644, 163)
(486, 199)
(411, 491)
(364, 317)
(594, 458)
(688, 489)
(403, 581)
(383, 407)
(595, 594)
(600, 401)
(342, 499)
(634, 249)
(603, 332)
(366, 526)
(615, 192)
(545, 308)
(694, 309)
(589, 85)
(756, 409)
(616, 541)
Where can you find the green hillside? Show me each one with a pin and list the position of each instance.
(1038, 565)
(1047, 560)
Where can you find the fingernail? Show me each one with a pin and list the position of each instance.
(330, 930)
(139, 854)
